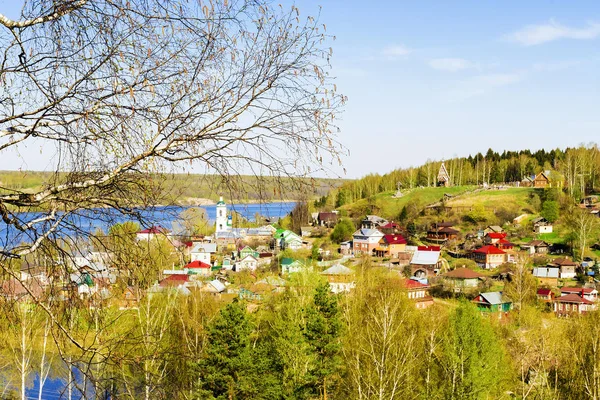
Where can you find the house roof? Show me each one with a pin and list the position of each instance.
(537, 243)
(175, 280)
(577, 290)
(489, 250)
(327, 216)
(367, 232)
(496, 228)
(425, 257)
(573, 298)
(428, 248)
(337, 269)
(448, 230)
(204, 248)
(563, 262)
(546, 272)
(394, 239)
(544, 291)
(413, 284)
(496, 235)
(217, 285)
(492, 298)
(197, 264)
(463, 273)
(390, 225)
(154, 230)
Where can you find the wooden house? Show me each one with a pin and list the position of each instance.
(462, 278)
(391, 246)
(567, 267)
(489, 256)
(545, 294)
(493, 302)
(418, 292)
(571, 304)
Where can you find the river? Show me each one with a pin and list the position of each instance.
(91, 220)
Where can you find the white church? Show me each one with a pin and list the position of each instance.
(223, 221)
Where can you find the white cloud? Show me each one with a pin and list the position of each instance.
(533, 35)
(451, 64)
(396, 51)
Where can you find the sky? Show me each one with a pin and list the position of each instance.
(438, 79)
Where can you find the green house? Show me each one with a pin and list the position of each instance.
(493, 302)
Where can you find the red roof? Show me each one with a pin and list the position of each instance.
(429, 248)
(412, 284)
(576, 290)
(394, 239)
(573, 298)
(197, 264)
(390, 225)
(496, 235)
(174, 280)
(154, 230)
(489, 250)
(544, 292)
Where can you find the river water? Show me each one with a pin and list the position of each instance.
(89, 221)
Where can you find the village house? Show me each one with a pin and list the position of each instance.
(536, 247)
(346, 248)
(573, 304)
(541, 225)
(287, 239)
(153, 231)
(418, 292)
(590, 294)
(442, 232)
(390, 246)
(425, 261)
(365, 241)
(545, 294)
(289, 266)
(203, 252)
(328, 219)
(567, 267)
(489, 257)
(198, 268)
(372, 222)
(390, 228)
(493, 237)
(462, 278)
(493, 302)
(340, 278)
(494, 229)
(541, 180)
(248, 263)
(547, 275)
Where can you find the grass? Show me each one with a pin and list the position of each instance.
(493, 199)
(385, 205)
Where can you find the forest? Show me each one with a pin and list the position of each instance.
(576, 169)
(306, 343)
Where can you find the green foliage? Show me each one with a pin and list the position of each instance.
(550, 210)
(322, 332)
(343, 231)
(472, 359)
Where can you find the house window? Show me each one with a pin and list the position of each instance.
(220, 213)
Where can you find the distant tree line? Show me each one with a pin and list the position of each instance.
(575, 169)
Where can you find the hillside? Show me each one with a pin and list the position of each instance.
(388, 206)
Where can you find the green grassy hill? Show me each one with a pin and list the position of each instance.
(388, 206)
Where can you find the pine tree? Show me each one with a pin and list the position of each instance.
(228, 354)
(323, 331)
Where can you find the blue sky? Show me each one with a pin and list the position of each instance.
(437, 79)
